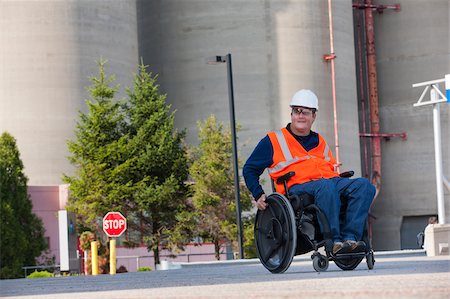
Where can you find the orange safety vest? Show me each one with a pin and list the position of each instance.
(289, 155)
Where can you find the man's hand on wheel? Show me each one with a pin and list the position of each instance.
(261, 202)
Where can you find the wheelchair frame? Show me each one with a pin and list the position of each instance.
(280, 233)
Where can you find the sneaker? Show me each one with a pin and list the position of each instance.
(340, 247)
(355, 246)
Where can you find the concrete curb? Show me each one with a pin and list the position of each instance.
(304, 257)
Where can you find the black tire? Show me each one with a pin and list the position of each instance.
(276, 234)
(370, 259)
(320, 263)
(348, 263)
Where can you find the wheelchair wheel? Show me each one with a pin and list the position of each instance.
(320, 263)
(276, 234)
(348, 264)
(370, 259)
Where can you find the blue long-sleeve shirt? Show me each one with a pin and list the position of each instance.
(262, 157)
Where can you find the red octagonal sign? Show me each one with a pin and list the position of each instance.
(114, 224)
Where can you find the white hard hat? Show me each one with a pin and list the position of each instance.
(305, 98)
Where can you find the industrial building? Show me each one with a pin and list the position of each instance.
(49, 49)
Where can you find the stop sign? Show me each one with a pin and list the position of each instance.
(114, 224)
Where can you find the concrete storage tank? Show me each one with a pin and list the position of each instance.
(49, 49)
(277, 48)
(412, 46)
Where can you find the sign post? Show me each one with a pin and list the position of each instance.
(114, 225)
(436, 97)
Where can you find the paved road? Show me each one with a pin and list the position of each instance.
(396, 275)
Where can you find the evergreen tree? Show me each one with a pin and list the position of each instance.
(214, 195)
(99, 155)
(159, 166)
(21, 231)
(128, 158)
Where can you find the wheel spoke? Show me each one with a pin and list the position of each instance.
(268, 253)
(264, 230)
(272, 211)
(285, 237)
(282, 218)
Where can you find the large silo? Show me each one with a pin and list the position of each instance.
(412, 46)
(49, 49)
(277, 48)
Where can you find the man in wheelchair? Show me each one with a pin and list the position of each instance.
(303, 154)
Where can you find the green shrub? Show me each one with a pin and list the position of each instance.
(40, 274)
(142, 269)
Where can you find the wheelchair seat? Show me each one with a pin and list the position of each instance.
(289, 226)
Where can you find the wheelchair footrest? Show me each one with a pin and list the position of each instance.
(349, 255)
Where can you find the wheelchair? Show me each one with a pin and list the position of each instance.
(289, 226)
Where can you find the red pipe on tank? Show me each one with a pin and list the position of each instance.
(362, 95)
(330, 57)
(373, 97)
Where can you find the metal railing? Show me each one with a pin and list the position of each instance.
(188, 255)
(137, 257)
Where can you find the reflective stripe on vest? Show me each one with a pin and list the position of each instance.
(325, 152)
(282, 165)
(283, 144)
(288, 156)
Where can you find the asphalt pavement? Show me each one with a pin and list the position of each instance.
(399, 274)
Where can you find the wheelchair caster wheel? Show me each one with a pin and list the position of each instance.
(370, 260)
(320, 263)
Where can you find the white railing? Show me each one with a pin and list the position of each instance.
(187, 257)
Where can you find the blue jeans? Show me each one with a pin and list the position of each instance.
(359, 193)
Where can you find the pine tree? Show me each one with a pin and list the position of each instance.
(214, 195)
(159, 165)
(21, 231)
(129, 158)
(99, 155)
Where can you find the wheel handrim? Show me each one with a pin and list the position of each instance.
(275, 234)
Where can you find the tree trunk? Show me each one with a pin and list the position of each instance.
(156, 246)
(217, 249)
(141, 228)
(156, 255)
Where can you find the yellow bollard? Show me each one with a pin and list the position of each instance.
(112, 256)
(94, 257)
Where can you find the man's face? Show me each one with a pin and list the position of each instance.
(302, 119)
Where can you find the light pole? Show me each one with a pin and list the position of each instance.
(227, 59)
